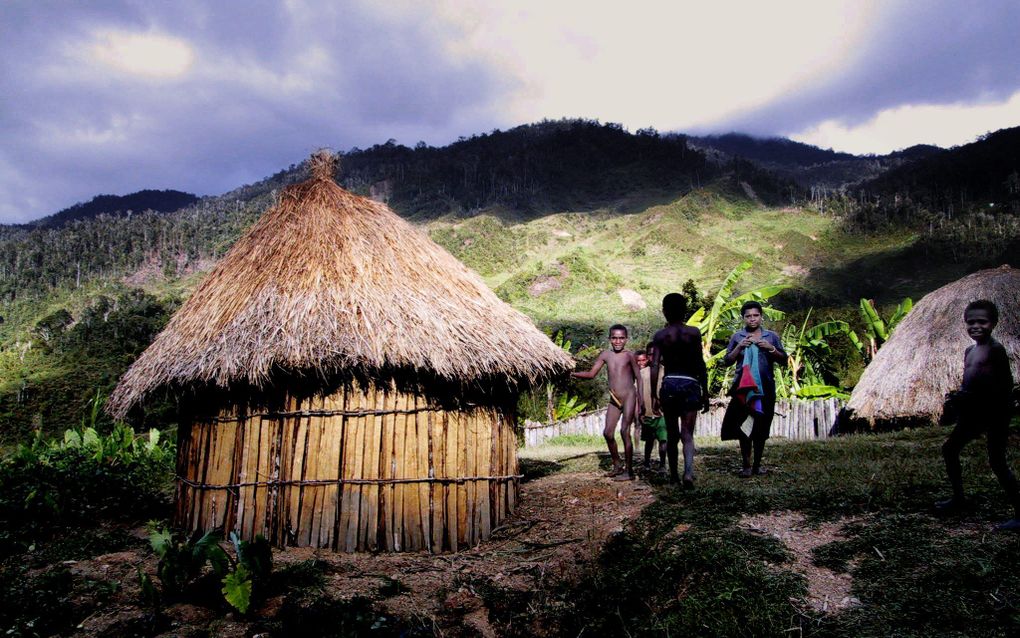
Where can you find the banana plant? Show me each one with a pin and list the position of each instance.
(566, 406)
(806, 349)
(724, 315)
(877, 330)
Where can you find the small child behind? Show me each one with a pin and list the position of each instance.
(624, 402)
(653, 424)
(982, 405)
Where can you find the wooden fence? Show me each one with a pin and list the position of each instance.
(795, 419)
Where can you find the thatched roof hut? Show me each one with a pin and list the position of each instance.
(344, 374)
(923, 359)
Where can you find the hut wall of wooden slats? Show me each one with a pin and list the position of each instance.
(354, 471)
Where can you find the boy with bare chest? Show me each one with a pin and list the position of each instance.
(624, 374)
(983, 405)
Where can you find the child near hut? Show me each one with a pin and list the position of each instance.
(623, 373)
(653, 424)
(983, 404)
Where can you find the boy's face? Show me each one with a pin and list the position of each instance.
(642, 360)
(979, 324)
(752, 318)
(618, 339)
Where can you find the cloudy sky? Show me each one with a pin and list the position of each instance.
(114, 96)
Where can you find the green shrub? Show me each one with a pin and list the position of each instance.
(51, 484)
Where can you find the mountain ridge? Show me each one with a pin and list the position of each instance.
(161, 201)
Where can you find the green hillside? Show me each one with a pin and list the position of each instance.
(598, 268)
(577, 270)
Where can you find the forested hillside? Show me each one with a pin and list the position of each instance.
(983, 175)
(576, 223)
(529, 170)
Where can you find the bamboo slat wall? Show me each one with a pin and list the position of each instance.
(355, 471)
(795, 419)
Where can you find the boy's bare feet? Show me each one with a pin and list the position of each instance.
(624, 476)
(760, 471)
(744, 473)
(688, 482)
(616, 471)
(1012, 525)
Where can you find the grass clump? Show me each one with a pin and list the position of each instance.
(719, 582)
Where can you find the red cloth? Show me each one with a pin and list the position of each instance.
(746, 384)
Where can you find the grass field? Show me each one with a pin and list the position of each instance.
(699, 563)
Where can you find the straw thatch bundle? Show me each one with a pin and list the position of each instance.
(923, 360)
(328, 282)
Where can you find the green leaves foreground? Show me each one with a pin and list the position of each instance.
(182, 563)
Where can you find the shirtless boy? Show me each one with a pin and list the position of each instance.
(982, 405)
(685, 386)
(623, 374)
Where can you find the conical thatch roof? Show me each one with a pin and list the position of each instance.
(326, 282)
(923, 359)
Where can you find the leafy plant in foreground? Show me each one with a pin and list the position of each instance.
(182, 562)
(49, 484)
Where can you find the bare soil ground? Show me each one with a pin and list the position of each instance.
(561, 524)
(828, 591)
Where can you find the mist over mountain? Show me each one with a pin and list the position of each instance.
(771, 150)
(810, 167)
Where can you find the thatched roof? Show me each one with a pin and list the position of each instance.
(326, 282)
(923, 358)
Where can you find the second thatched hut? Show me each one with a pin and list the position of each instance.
(347, 383)
(923, 359)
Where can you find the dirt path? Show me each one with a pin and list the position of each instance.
(828, 591)
(560, 526)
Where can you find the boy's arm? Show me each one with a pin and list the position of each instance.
(654, 376)
(590, 374)
(636, 369)
(1001, 369)
(703, 378)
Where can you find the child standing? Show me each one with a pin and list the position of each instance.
(623, 374)
(653, 424)
(684, 386)
(982, 405)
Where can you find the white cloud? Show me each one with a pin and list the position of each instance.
(903, 126)
(149, 54)
(669, 65)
